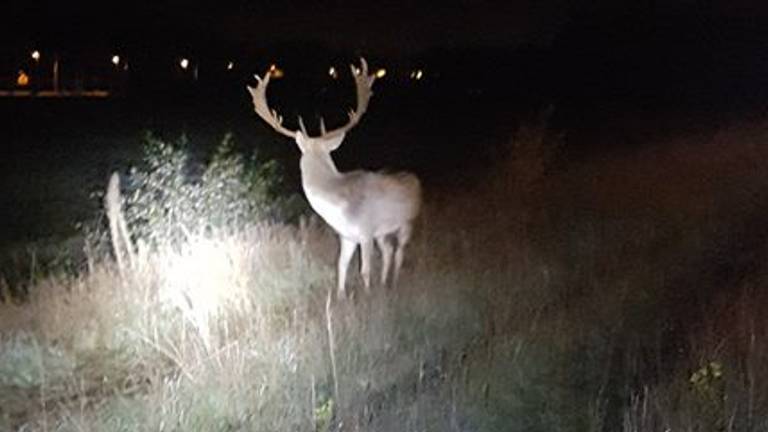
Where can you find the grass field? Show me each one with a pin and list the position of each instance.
(614, 293)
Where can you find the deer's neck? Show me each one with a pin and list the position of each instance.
(325, 189)
(319, 174)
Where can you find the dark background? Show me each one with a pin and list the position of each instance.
(618, 74)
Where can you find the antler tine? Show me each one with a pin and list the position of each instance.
(323, 131)
(260, 105)
(277, 117)
(303, 128)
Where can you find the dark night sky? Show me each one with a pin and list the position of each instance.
(386, 26)
(383, 26)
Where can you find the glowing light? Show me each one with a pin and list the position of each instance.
(275, 71)
(381, 73)
(184, 63)
(230, 65)
(333, 72)
(202, 278)
(35, 55)
(417, 74)
(22, 80)
(115, 59)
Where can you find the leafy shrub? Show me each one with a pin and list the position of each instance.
(168, 197)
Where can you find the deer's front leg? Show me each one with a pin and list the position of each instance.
(346, 251)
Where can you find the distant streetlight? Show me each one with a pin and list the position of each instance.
(230, 65)
(25, 78)
(417, 74)
(333, 72)
(115, 59)
(36, 56)
(55, 72)
(381, 73)
(184, 63)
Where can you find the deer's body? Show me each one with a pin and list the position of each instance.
(363, 207)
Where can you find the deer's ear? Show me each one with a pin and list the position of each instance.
(334, 142)
(301, 141)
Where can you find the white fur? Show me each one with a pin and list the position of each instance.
(361, 206)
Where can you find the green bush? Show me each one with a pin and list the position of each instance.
(167, 197)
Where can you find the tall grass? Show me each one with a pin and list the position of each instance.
(535, 299)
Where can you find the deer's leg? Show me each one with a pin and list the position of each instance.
(386, 249)
(403, 237)
(346, 252)
(366, 247)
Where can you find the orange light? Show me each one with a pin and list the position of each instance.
(275, 71)
(22, 80)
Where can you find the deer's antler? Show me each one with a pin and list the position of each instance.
(363, 83)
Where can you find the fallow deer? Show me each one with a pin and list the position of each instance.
(361, 206)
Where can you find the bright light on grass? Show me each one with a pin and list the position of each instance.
(201, 279)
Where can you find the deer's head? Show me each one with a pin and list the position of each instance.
(327, 141)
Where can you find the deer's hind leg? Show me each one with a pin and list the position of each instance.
(386, 249)
(366, 247)
(403, 237)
